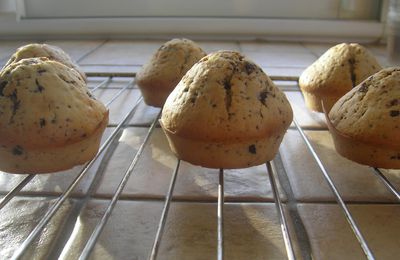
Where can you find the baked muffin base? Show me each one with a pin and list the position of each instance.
(45, 160)
(155, 97)
(380, 156)
(227, 155)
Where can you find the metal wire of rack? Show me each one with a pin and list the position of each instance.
(271, 171)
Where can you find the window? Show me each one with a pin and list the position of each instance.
(220, 18)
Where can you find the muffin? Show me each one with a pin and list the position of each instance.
(161, 74)
(48, 119)
(226, 113)
(335, 73)
(365, 123)
(36, 50)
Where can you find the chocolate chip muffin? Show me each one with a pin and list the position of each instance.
(226, 113)
(48, 119)
(365, 123)
(36, 50)
(161, 74)
(335, 73)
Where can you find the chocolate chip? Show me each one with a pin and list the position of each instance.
(250, 67)
(2, 86)
(15, 105)
(263, 96)
(363, 88)
(352, 62)
(394, 113)
(90, 95)
(40, 88)
(18, 150)
(394, 157)
(227, 85)
(41, 71)
(42, 122)
(228, 95)
(252, 149)
(393, 102)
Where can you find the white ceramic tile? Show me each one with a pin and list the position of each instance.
(282, 71)
(212, 46)
(355, 182)
(377, 49)
(122, 104)
(153, 173)
(110, 68)
(331, 237)
(76, 49)
(318, 48)
(145, 115)
(304, 116)
(392, 175)
(281, 59)
(386, 62)
(7, 48)
(53, 183)
(249, 184)
(252, 231)
(20, 216)
(118, 52)
(273, 47)
(128, 234)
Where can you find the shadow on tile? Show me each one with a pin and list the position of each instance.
(20, 216)
(252, 231)
(153, 173)
(332, 238)
(355, 182)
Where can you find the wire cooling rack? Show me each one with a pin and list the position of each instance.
(270, 170)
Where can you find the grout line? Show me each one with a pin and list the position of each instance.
(211, 200)
(310, 50)
(240, 48)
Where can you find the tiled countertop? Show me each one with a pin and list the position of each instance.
(252, 227)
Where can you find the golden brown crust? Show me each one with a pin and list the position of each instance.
(43, 103)
(167, 66)
(226, 97)
(370, 116)
(227, 155)
(335, 73)
(18, 159)
(36, 50)
(370, 112)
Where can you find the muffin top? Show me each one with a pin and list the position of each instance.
(339, 69)
(44, 103)
(371, 111)
(170, 62)
(36, 50)
(226, 97)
